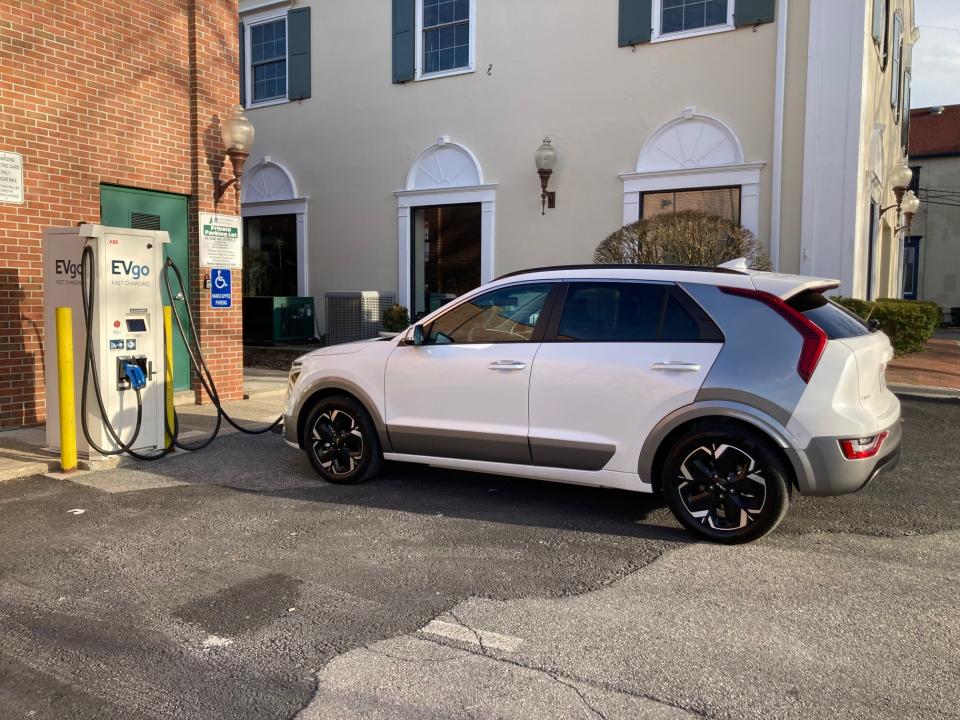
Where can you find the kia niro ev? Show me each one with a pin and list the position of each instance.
(724, 390)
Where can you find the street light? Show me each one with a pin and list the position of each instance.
(546, 159)
(236, 132)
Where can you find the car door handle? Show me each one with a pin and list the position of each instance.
(507, 365)
(674, 366)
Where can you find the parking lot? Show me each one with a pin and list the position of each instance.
(231, 584)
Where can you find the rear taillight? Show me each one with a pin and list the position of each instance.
(864, 447)
(814, 339)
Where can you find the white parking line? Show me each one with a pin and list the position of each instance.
(461, 633)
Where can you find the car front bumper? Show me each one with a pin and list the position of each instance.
(290, 431)
(832, 474)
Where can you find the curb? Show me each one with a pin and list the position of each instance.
(926, 392)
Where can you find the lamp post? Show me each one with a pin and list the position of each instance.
(546, 159)
(900, 178)
(236, 132)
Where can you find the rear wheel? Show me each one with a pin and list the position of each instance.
(341, 441)
(726, 483)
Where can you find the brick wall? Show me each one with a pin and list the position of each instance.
(107, 91)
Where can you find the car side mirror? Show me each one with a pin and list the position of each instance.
(415, 336)
(873, 324)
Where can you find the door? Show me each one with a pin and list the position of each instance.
(148, 210)
(463, 394)
(616, 359)
(446, 243)
(911, 266)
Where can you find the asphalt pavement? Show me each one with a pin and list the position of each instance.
(232, 584)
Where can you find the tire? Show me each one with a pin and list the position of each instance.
(341, 441)
(726, 483)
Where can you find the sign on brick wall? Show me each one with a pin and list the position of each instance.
(11, 177)
(221, 241)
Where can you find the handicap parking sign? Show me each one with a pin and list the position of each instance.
(221, 288)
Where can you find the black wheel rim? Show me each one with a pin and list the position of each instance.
(337, 442)
(722, 487)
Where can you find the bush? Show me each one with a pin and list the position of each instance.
(690, 237)
(908, 323)
(396, 319)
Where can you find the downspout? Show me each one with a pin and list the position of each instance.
(779, 104)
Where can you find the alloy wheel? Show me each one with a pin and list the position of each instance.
(337, 442)
(722, 487)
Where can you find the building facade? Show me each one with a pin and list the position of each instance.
(404, 163)
(109, 113)
(931, 260)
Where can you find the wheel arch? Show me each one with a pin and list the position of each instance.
(660, 440)
(330, 388)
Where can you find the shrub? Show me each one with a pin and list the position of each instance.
(690, 237)
(908, 323)
(396, 319)
(931, 308)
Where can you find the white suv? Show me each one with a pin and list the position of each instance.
(722, 389)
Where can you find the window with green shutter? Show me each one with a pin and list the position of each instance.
(275, 57)
(896, 68)
(879, 25)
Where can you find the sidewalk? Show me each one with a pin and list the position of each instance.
(934, 373)
(23, 452)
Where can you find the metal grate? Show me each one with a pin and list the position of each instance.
(355, 315)
(144, 221)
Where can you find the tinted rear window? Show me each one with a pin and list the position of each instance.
(836, 321)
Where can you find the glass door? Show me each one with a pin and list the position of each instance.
(446, 255)
(911, 267)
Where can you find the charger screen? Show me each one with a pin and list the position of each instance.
(137, 325)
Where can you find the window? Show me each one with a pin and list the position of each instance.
(268, 60)
(915, 180)
(632, 312)
(881, 9)
(445, 37)
(905, 113)
(896, 68)
(504, 315)
(681, 18)
(836, 321)
(724, 202)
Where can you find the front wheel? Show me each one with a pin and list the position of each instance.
(726, 483)
(341, 441)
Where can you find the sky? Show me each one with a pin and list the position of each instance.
(936, 57)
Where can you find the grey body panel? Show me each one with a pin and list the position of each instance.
(570, 454)
(833, 474)
(758, 363)
(292, 423)
(437, 442)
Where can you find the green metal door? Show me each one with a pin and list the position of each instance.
(147, 210)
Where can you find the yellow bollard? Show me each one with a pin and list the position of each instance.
(168, 374)
(68, 412)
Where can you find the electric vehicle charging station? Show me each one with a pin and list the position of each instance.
(126, 339)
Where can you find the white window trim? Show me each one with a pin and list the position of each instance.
(746, 176)
(472, 67)
(407, 200)
(249, 20)
(657, 22)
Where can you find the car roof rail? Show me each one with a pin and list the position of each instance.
(688, 268)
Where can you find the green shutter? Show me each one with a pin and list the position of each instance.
(404, 40)
(753, 12)
(298, 54)
(243, 68)
(636, 22)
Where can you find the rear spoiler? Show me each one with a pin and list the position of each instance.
(780, 284)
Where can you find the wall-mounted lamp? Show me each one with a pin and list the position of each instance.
(546, 160)
(908, 206)
(236, 132)
(907, 201)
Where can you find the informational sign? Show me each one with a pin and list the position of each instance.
(11, 177)
(221, 241)
(221, 288)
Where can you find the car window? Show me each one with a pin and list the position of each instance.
(836, 321)
(598, 312)
(504, 315)
(632, 312)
